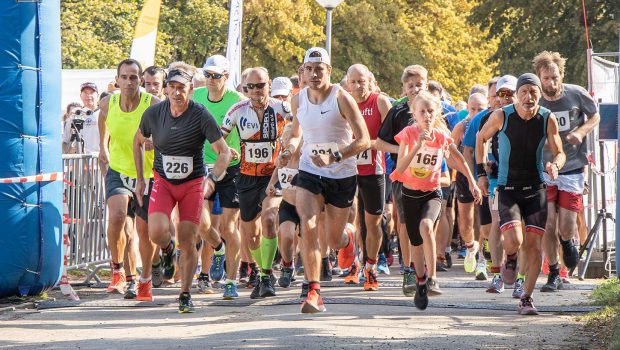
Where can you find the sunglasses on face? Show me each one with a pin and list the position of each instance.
(251, 86)
(213, 75)
(504, 94)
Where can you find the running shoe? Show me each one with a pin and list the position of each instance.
(497, 285)
(481, 271)
(390, 258)
(554, 282)
(118, 283)
(145, 291)
(421, 296)
(169, 261)
(518, 291)
(346, 255)
(409, 283)
(371, 283)
(344, 273)
(401, 270)
(441, 266)
(526, 306)
(253, 280)
(131, 290)
(156, 275)
(462, 253)
(230, 291)
(353, 276)
(217, 272)
(304, 289)
(186, 305)
(470, 258)
(255, 292)
(244, 274)
(286, 277)
(564, 275)
(266, 287)
(326, 270)
(509, 273)
(313, 303)
(382, 265)
(569, 253)
(433, 287)
(204, 284)
(486, 250)
(448, 259)
(545, 266)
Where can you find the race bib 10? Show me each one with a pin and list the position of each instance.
(177, 168)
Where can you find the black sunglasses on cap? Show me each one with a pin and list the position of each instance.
(213, 75)
(257, 85)
(177, 72)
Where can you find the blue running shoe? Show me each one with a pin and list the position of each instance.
(217, 267)
(382, 265)
(230, 291)
(462, 252)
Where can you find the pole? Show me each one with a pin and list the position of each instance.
(328, 31)
(618, 184)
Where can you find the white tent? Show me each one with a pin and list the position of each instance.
(73, 78)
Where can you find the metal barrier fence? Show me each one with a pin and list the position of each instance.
(84, 188)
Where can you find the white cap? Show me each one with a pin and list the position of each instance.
(507, 82)
(217, 64)
(281, 86)
(317, 55)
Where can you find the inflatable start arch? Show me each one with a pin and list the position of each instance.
(30, 212)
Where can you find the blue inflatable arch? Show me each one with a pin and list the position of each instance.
(30, 144)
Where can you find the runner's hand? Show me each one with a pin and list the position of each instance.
(424, 135)
(574, 138)
(148, 145)
(322, 160)
(552, 170)
(234, 153)
(140, 187)
(271, 190)
(209, 188)
(283, 159)
(475, 191)
(483, 185)
(103, 161)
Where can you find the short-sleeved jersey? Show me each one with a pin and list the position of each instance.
(571, 111)
(425, 170)
(398, 118)
(179, 141)
(260, 139)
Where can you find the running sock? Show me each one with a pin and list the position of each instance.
(521, 276)
(287, 264)
(129, 278)
(145, 280)
(421, 280)
(220, 249)
(167, 249)
(370, 263)
(257, 255)
(495, 270)
(268, 247)
(314, 285)
(203, 276)
(117, 266)
(156, 265)
(244, 266)
(469, 245)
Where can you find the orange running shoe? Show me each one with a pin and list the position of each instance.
(545, 266)
(118, 283)
(346, 255)
(564, 274)
(353, 276)
(313, 303)
(371, 283)
(145, 291)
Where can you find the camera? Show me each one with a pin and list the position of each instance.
(77, 123)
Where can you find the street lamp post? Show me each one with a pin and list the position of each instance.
(329, 6)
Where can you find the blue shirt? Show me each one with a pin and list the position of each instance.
(454, 118)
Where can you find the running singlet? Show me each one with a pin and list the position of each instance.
(218, 110)
(179, 141)
(324, 130)
(260, 141)
(122, 127)
(424, 172)
(524, 167)
(371, 161)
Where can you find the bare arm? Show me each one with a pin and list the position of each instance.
(405, 156)
(576, 137)
(294, 135)
(103, 135)
(223, 157)
(555, 142)
(490, 128)
(385, 146)
(350, 112)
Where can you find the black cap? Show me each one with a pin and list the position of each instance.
(89, 85)
(528, 78)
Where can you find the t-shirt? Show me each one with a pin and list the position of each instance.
(424, 172)
(89, 133)
(469, 136)
(571, 111)
(218, 110)
(445, 106)
(396, 120)
(453, 118)
(179, 141)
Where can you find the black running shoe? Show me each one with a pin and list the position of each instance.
(266, 287)
(570, 253)
(326, 270)
(131, 290)
(253, 280)
(185, 303)
(286, 277)
(554, 282)
(421, 296)
(243, 273)
(255, 292)
(448, 260)
(441, 266)
(304, 289)
(168, 262)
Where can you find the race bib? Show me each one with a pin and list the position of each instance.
(425, 162)
(563, 118)
(323, 148)
(364, 158)
(258, 152)
(286, 175)
(177, 168)
(495, 203)
(131, 183)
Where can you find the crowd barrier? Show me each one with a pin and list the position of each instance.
(84, 190)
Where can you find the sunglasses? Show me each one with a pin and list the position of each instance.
(213, 75)
(86, 112)
(257, 85)
(504, 94)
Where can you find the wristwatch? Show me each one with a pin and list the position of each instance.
(338, 156)
(212, 177)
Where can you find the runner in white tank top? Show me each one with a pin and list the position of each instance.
(329, 118)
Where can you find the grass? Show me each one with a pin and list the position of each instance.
(605, 323)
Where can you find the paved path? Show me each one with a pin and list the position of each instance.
(465, 317)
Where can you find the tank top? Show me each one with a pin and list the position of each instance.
(122, 127)
(324, 129)
(370, 161)
(523, 167)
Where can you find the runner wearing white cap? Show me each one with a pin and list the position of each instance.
(282, 88)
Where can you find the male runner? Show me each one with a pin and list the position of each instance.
(577, 116)
(154, 78)
(179, 128)
(329, 119)
(523, 129)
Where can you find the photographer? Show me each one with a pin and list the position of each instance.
(81, 126)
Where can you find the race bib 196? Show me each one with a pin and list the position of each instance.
(323, 148)
(130, 183)
(364, 158)
(286, 175)
(176, 167)
(563, 118)
(258, 152)
(425, 162)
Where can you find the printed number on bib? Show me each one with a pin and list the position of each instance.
(425, 162)
(364, 158)
(131, 183)
(323, 148)
(177, 167)
(563, 119)
(495, 203)
(258, 152)
(286, 175)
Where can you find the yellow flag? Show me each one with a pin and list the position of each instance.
(143, 46)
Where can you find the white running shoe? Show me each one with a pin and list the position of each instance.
(470, 258)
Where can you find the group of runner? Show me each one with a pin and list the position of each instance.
(237, 177)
